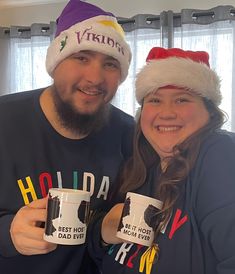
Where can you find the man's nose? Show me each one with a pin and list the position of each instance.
(94, 73)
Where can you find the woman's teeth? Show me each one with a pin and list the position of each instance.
(171, 128)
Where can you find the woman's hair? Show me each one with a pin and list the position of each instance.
(178, 166)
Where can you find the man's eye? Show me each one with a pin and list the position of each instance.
(80, 58)
(112, 65)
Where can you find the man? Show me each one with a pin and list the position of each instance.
(67, 135)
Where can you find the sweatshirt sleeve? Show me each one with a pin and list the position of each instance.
(7, 248)
(95, 248)
(215, 202)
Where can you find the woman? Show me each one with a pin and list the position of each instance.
(183, 158)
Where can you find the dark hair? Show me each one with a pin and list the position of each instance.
(178, 167)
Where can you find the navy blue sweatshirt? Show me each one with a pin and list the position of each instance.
(200, 236)
(34, 157)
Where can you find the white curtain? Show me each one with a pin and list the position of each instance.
(140, 41)
(28, 59)
(207, 31)
(23, 51)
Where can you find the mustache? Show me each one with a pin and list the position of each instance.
(92, 90)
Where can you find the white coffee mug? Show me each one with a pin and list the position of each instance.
(67, 216)
(139, 219)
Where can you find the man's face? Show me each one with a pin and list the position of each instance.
(87, 80)
(83, 84)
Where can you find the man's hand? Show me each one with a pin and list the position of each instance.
(26, 233)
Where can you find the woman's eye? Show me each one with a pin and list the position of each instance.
(182, 100)
(153, 100)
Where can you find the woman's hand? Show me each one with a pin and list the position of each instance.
(110, 225)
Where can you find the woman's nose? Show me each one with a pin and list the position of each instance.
(167, 111)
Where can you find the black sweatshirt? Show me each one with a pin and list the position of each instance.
(34, 157)
(200, 236)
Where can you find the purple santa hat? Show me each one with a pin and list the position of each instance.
(83, 26)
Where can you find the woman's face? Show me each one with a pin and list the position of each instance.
(169, 116)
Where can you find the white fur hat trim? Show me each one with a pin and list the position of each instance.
(179, 72)
(92, 35)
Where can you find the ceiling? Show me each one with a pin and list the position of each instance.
(17, 3)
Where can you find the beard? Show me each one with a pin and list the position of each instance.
(77, 122)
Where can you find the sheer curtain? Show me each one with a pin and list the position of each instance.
(210, 30)
(23, 50)
(213, 31)
(25, 57)
(140, 41)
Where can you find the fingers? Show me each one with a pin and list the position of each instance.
(32, 244)
(31, 214)
(40, 203)
(26, 235)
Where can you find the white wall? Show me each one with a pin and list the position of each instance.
(25, 16)
(128, 8)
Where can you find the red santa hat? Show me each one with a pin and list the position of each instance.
(181, 69)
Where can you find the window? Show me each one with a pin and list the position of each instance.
(28, 62)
